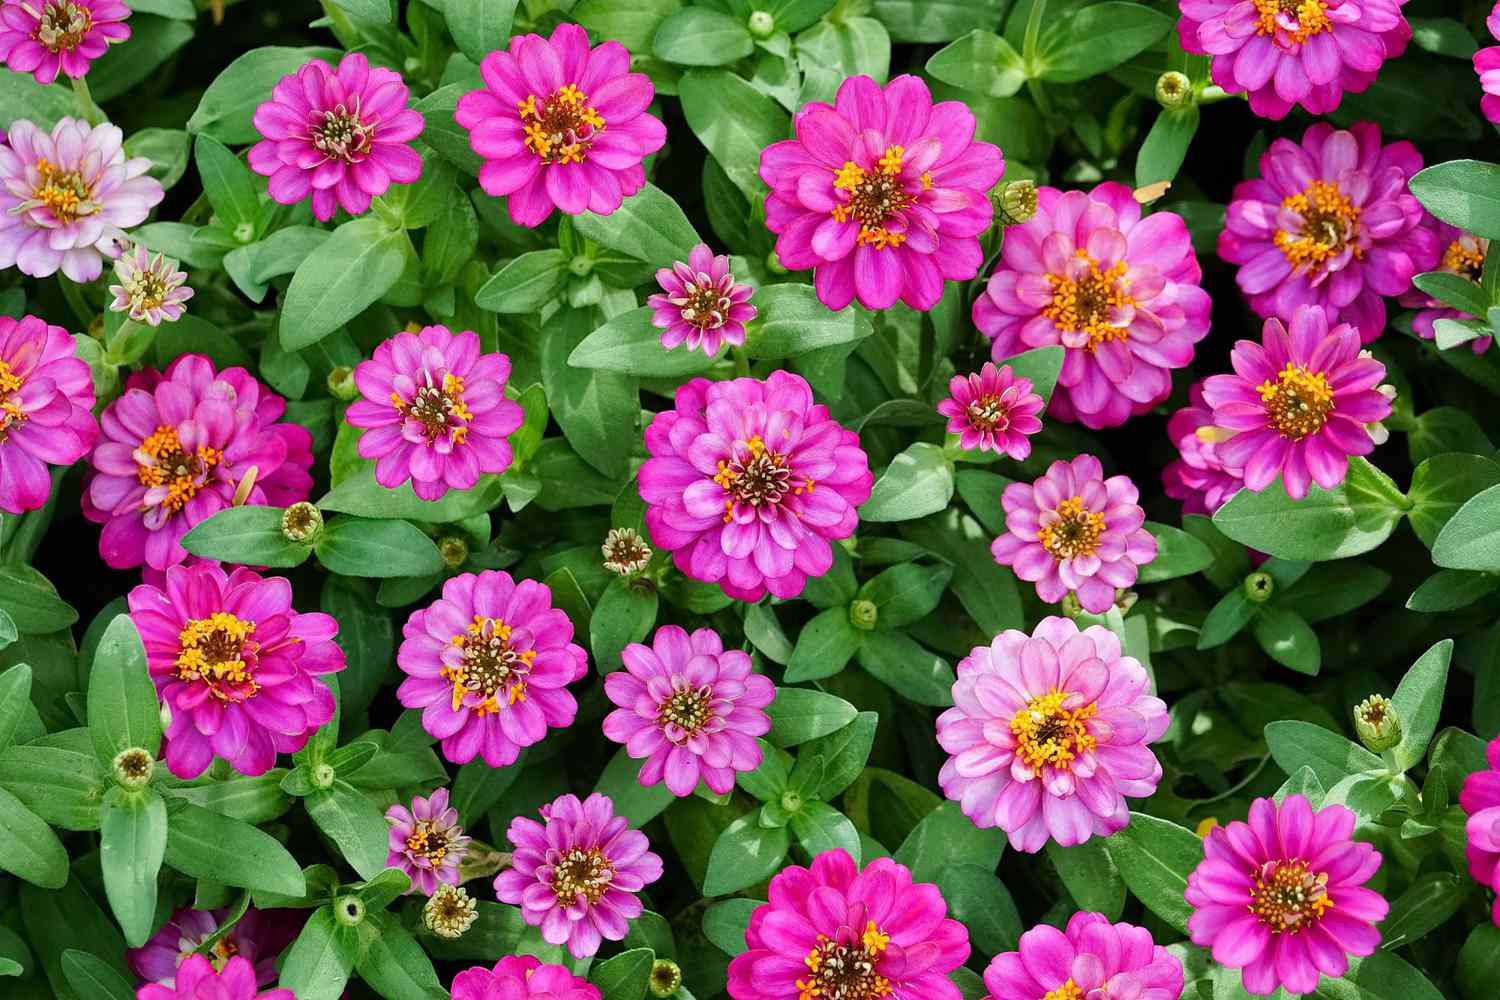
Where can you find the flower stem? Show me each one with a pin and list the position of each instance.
(741, 362)
(87, 109)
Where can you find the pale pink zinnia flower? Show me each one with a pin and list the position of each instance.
(426, 842)
(1487, 65)
(1480, 800)
(522, 977)
(48, 37)
(46, 409)
(700, 304)
(1283, 896)
(151, 289)
(993, 409)
(1197, 476)
(197, 979)
(1092, 960)
(1463, 255)
(258, 937)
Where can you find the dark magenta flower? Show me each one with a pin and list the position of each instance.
(426, 841)
(197, 979)
(46, 409)
(700, 304)
(993, 409)
(522, 977)
(1480, 799)
(1487, 65)
(1197, 476)
(50, 37)
(1092, 960)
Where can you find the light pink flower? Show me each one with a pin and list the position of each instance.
(700, 303)
(1197, 476)
(993, 410)
(1480, 800)
(48, 37)
(426, 842)
(1092, 960)
(46, 409)
(151, 289)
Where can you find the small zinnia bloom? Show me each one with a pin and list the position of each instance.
(749, 481)
(1480, 799)
(993, 410)
(449, 912)
(67, 197)
(625, 552)
(489, 663)
(1048, 734)
(48, 37)
(1197, 476)
(1298, 404)
(1072, 530)
(338, 135)
(1118, 291)
(434, 411)
(197, 979)
(1282, 897)
(258, 937)
(561, 125)
(691, 708)
(884, 194)
(831, 930)
(1092, 959)
(235, 665)
(426, 841)
(46, 409)
(151, 289)
(576, 875)
(522, 977)
(1487, 65)
(1463, 255)
(700, 304)
(1329, 222)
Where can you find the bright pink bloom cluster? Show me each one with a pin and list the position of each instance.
(1487, 65)
(749, 481)
(48, 37)
(1093, 959)
(577, 874)
(561, 125)
(489, 663)
(522, 977)
(257, 937)
(1198, 477)
(1330, 222)
(700, 304)
(1118, 291)
(1480, 799)
(337, 135)
(1048, 734)
(1463, 255)
(46, 409)
(1282, 897)
(993, 409)
(852, 933)
(426, 841)
(884, 194)
(197, 979)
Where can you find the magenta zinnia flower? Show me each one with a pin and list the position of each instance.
(1463, 255)
(151, 290)
(1480, 799)
(489, 663)
(67, 196)
(1094, 959)
(1282, 897)
(48, 37)
(426, 841)
(831, 930)
(884, 194)
(1197, 476)
(1298, 404)
(691, 708)
(700, 304)
(235, 666)
(749, 480)
(1119, 292)
(993, 409)
(339, 135)
(576, 875)
(258, 937)
(522, 977)
(434, 411)
(197, 979)
(1329, 222)
(561, 125)
(1487, 65)
(1073, 530)
(46, 409)
(1048, 734)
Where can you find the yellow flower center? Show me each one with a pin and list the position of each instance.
(62, 191)
(11, 414)
(1306, 17)
(1087, 303)
(582, 872)
(439, 408)
(1047, 734)
(213, 650)
(562, 127)
(490, 666)
(762, 478)
(1067, 991)
(688, 710)
(987, 413)
(1465, 256)
(1297, 403)
(846, 971)
(1075, 532)
(1329, 219)
(1287, 897)
(429, 841)
(874, 197)
(161, 461)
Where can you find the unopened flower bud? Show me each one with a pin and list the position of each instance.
(349, 911)
(133, 768)
(1173, 90)
(323, 776)
(791, 800)
(666, 977)
(1377, 724)
(1070, 606)
(1259, 587)
(449, 912)
(774, 264)
(244, 232)
(301, 522)
(863, 614)
(625, 552)
(454, 551)
(1017, 202)
(581, 265)
(341, 383)
(761, 25)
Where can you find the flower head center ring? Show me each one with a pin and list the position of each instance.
(1288, 897)
(490, 665)
(582, 872)
(1049, 735)
(1072, 530)
(844, 968)
(61, 24)
(341, 134)
(561, 128)
(1297, 403)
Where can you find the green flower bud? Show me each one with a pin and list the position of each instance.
(761, 25)
(581, 265)
(862, 614)
(341, 383)
(773, 263)
(244, 232)
(349, 911)
(791, 800)
(1259, 587)
(454, 551)
(1377, 724)
(323, 775)
(133, 768)
(666, 977)
(1017, 202)
(1173, 90)
(301, 522)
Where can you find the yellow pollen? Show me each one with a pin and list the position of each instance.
(1311, 17)
(1075, 532)
(560, 128)
(874, 198)
(1329, 220)
(1297, 403)
(765, 478)
(11, 414)
(1086, 304)
(1047, 734)
(890, 161)
(212, 650)
(1465, 256)
(1287, 897)
(168, 465)
(490, 667)
(1067, 991)
(846, 971)
(64, 192)
(586, 873)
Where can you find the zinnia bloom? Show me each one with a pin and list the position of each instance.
(258, 937)
(1048, 734)
(174, 450)
(46, 409)
(625, 551)
(197, 979)
(1282, 897)
(700, 304)
(1480, 799)
(993, 410)
(1093, 959)
(1329, 222)
(522, 977)
(488, 664)
(151, 289)
(426, 841)
(831, 930)
(749, 481)
(1198, 477)
(691, 708)
(434, 411)
(576, 875)
(1297, 404)
(339, 135)
(1119, 292)
(1073, 530)
(1463, 255)
(48, 37)
(235, 666)
(1487, 65)
(884, 194)
(67, 196)
(561, 125)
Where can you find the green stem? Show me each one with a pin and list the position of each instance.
(1039, 95)
(87, 109)
(73, 294)
(741, 362)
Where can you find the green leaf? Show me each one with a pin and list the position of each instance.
(355, 546)
(801, 714)
(204, 844)
(764, 632)
(354, 823)
(637, 803)
(936, 20)
(1464, 193)
(918, 482)
(648, 226)
(632, 26)
(625, 976)
(361, 495)
(824, 646)
(1090, 876)
(1478, 962)
(28, 847)
(744, 854)
(1227, 619)
(1294, 744)
(1418, 701)
(356, 266)
(22, 97)
(92, 977)
(1451, 589)
(946, 837)
(257, 799)
(58, 778)
(906, 667)
(1154, 856)
(630, 345)
(1471, 538)
(15, 701)
(724, 924)
(734, 121)
(232, 190)
(1327, 524)
(132, 844)
(793, 322)
(624, 614)
(1454, 290)
(982, 903)
(394, 964)
(227, 108)
(122, 706)
(1041, 365)
(1440, 487)
(697, 36)
(152, 41)
(319, 962)
(598, 410)
(250, 535)
(819, 827)
(1432, 899)
(32, 603)
(1166, 145)
(905, 594)
(1286, 638)
(1098, 38)
(844, 753)
(1329, 590)
(1177, 554)
(525, 284)
(980, 61)
(987, 590)
(479, 26)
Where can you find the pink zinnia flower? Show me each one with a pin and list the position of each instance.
(67, 196)
(426, 841)
(48, 37)
(1073, 530)
(1048, 734)
(1198, 477)
(489, 663)
(1480, 799)
(1329, 222)
(576, 875)
(1298, 404)
(197, 979)
(522, 977)
(1487, 65)
(235, 666)
(700, 304)
(993, 409)
(339, 135)
(748, 482)
(151, 290)
(258, 937)
(174, 450)
(1282, 897)
(1093, 959)
(1119, 292)
(1463, 255)
(561, 125)
(46, 409)
(434, 411)
(691, 708)
(831, 930)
